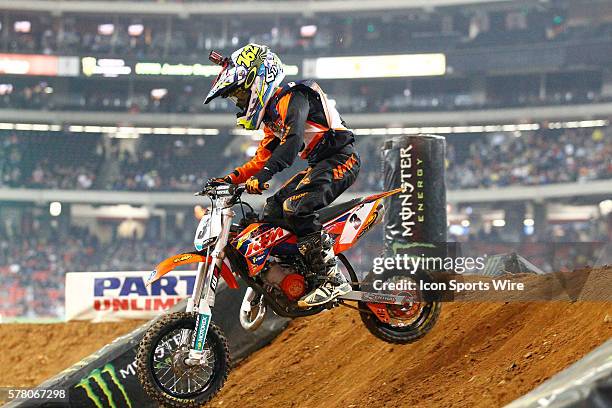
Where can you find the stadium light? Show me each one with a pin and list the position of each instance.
(308, 31)
(23, 26)
(135, 30)
(380, 131)
(605, 207)
(499, 223)
(55, 208)
(106, 29)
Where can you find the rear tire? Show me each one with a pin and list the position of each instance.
(145, 359)
(409, 334)
(414, 327)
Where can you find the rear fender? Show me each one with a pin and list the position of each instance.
(384, 194)
(169, 264)
(354, 223)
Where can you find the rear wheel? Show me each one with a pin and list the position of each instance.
(163, 372)
(400, 324)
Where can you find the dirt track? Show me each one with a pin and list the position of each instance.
(478, 355)
(34, 352)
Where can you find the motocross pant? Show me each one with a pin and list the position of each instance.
(313, 189)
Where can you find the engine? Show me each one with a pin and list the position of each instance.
(286, 279)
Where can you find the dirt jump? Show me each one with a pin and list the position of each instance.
(478, 355)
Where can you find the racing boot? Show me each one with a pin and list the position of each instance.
(317, 249)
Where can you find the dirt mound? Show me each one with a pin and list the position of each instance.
(31, 353)
(587, 284)
(479, 354)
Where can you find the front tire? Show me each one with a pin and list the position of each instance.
(156, 359)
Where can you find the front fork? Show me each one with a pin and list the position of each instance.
(203, 297)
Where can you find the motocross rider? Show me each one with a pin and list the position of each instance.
(299, 120)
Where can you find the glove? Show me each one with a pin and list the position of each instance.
(254, 186)
(219, 180)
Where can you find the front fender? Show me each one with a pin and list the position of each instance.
(169, 264)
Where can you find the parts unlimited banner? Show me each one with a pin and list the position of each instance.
(112, 296)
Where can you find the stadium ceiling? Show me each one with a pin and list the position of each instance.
(238, 7)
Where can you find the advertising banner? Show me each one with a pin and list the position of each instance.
(376, 66)
(114, 67)
(111, 296)
(29, 64)
(415, 219)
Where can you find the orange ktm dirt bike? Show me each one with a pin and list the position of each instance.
(183, 359)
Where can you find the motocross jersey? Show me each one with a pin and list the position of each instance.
(299, 120)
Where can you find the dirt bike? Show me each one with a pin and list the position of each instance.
(183, 359)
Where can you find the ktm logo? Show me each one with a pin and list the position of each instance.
(265, 240)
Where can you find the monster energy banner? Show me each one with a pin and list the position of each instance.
(415, 220)
(107, 378)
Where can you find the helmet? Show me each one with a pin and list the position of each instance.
(249, 78)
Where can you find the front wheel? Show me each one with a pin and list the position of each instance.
(161, 366)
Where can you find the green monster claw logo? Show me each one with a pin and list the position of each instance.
(96, 377)
(399, 245)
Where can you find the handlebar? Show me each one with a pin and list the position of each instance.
(213, 188)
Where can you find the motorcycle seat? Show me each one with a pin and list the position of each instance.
(325, 214)
(332, 211)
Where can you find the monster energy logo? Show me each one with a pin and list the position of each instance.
(96, 377)
(413, 189)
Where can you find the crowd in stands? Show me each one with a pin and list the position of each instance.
(149, 37)
(174, 163)
(533, 158)
(37, 160)
(593, 230)
(162, 163)
(33, 265)
(357, 96)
